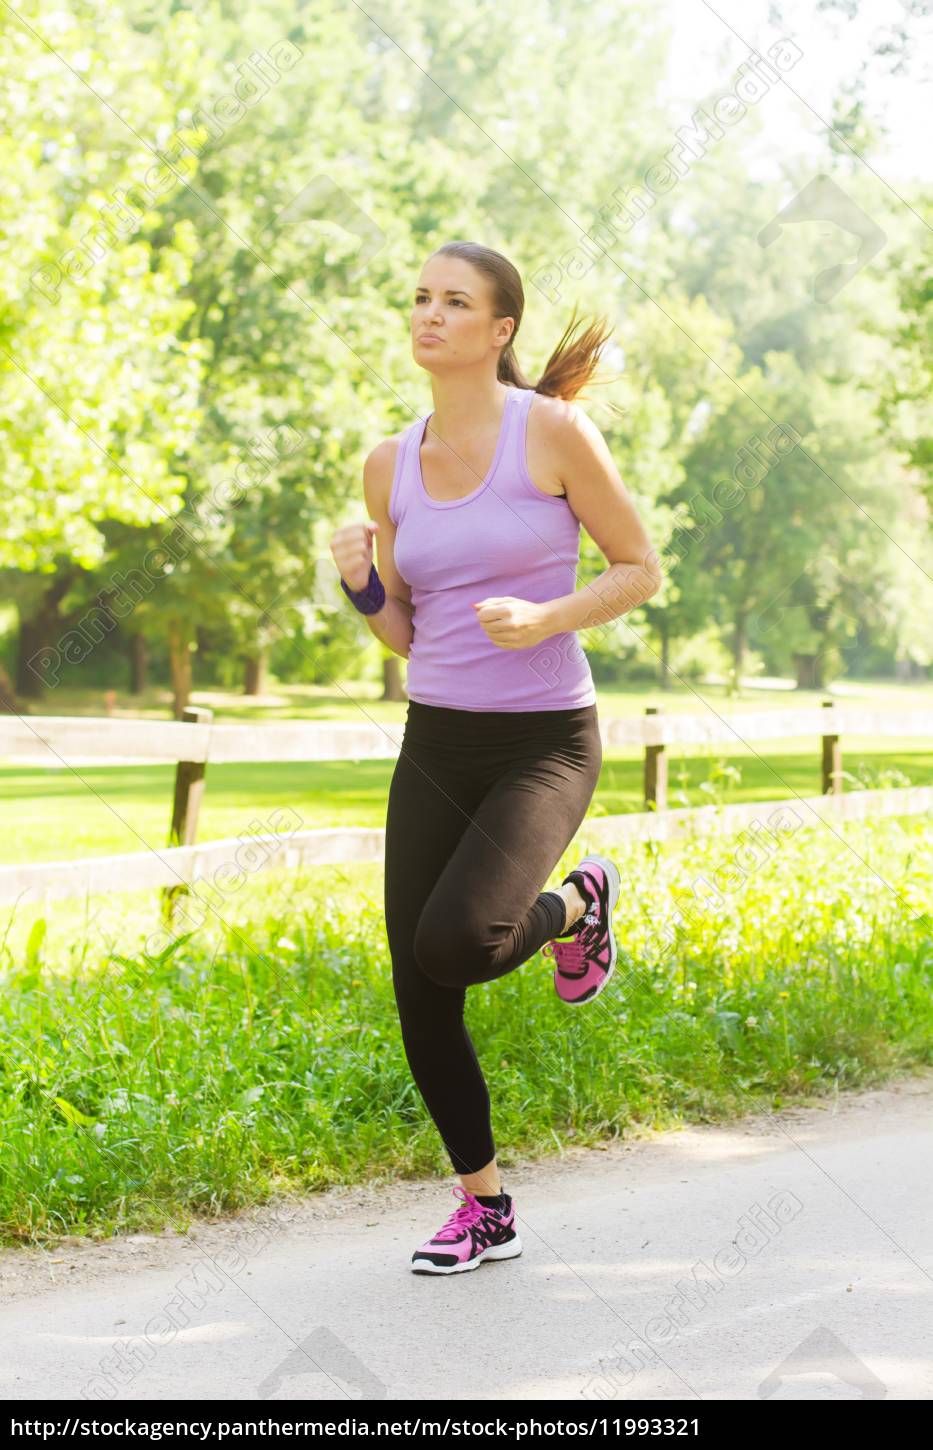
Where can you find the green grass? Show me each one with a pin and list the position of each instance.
(262, 1055)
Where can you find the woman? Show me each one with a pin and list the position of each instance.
(476, 512)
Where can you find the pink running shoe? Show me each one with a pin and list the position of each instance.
(586, 955)
(473, 1232)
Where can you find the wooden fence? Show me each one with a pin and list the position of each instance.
(197, 741)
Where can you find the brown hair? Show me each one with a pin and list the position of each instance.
(571, 365)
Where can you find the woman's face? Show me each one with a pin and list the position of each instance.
(453, 303)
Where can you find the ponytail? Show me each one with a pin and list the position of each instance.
(572, 365)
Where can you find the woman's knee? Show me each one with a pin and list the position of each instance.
(450, 948)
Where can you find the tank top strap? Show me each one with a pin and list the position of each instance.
(510, 468)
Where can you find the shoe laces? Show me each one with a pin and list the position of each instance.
(469, 1211)
(572, 953)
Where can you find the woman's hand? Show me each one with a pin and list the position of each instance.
(352, 548)
(514, 623)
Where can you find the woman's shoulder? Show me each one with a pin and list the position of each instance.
(380, 460)
(557, 415)
(381, 468)
(379, 472)
(565, 432)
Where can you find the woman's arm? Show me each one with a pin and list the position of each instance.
(393, 623)
(603, 505)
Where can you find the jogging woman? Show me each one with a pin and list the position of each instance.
(476, 512)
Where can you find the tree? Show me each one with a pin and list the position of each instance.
(99, 387)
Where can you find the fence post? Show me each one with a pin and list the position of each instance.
(655, 769)
(189, 788)
(832, 760)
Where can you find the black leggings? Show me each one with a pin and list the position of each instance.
(482, 805)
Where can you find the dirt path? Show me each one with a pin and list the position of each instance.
(789, 1255)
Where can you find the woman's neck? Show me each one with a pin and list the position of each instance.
(461, 407)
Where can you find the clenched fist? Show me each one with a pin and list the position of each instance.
(352, 548)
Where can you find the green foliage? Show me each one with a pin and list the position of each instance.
(194, 407)
(100, 388)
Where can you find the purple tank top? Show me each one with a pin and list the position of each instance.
(504, 538)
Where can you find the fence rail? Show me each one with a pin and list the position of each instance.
(177, 867)
(196, 741)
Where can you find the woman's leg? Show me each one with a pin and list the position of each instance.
(484, 1183)
(486, 914)
(431, 797)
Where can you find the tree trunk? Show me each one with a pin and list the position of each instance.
(7, 694)
(738, 653)
(139, 664)
(665, 672)
(38, 662)
(809, 670)
(179, 657)
(254, 674)
(392, 687)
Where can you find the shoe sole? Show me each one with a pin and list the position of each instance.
(615, 885)
(511, 1250)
